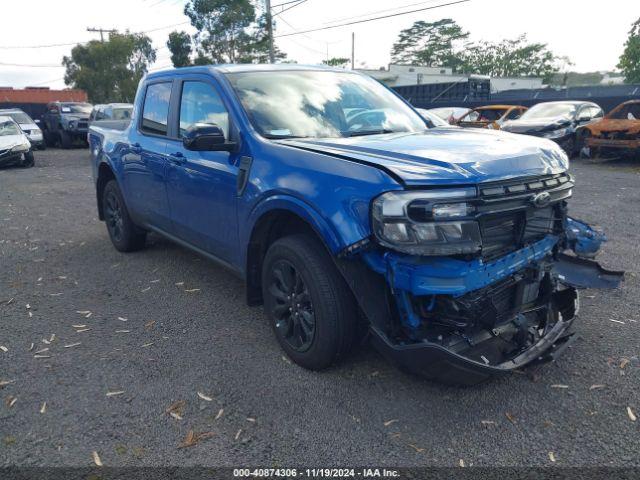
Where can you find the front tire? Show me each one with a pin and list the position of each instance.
(308, 303)
(65, 140)
(124, 234)
(28, 160)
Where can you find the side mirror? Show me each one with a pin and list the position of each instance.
(206, 137)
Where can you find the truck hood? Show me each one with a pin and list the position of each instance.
(446, 155)
(9, 141)
(609, 125)
(536, 125)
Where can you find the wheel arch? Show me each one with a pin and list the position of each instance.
(105, 174)
(281, 218)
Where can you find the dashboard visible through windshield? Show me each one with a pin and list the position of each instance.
(316, 104)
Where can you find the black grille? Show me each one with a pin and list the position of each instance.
(504, 232)
(509, 220)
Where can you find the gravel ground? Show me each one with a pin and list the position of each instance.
(188, 330)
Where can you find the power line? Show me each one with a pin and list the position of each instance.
(286, 3)
(300, 2)
(371, 19)
(26, 65)
(16, 47)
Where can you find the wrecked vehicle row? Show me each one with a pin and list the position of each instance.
(454, 246)
(618, 132)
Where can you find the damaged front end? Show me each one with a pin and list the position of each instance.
(465, 284)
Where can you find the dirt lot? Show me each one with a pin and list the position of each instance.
(123, 337)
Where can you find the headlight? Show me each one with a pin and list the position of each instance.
(563, 132)
(24, 147)
(430, 222)
(72, 124)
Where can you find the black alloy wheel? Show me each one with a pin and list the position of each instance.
(293, 310)
(113, 216)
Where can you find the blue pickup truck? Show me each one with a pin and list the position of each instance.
(350, 216)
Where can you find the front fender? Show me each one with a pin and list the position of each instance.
(298, 207)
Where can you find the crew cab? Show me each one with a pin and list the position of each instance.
(452, 247)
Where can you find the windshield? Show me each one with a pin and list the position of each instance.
(626, 112)
(550, 110)
(19, 117)
(75, 108)
(321, 104)
(432, 118)
(122, 113)
(484, 115)
(8, 127)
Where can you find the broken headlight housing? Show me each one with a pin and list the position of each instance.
(429, 222)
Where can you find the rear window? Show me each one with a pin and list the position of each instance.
(155, 111)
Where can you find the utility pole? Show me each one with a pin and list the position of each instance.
(102, 31)
(353, 50)
(272, 57)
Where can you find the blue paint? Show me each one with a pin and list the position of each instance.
(450, 276)
(582, 239)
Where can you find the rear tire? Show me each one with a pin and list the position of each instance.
(308, 303)
(124, 234)
(65, 140)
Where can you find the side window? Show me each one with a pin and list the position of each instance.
(108, 113)
(201, 103)
(596, 112)
(155, 111)
(514, 114)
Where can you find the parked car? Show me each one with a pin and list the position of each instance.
(557, 121)
(450, 114)
(65, 123)
(27, 125)
(617, 132)
(432, 119)
(111, 115)
(15, 148)
(490, 116)
(448, 243)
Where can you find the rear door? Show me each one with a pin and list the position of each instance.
(202, 186)
(145, 159)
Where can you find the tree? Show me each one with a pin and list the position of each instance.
(630, 59)
(179, 45)
(337, 62)
(229, 31)
(510, 58)
(429, 43)
(110, 71)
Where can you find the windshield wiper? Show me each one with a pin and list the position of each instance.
(282, 137)
(361, 133)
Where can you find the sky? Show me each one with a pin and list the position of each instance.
(590, 32)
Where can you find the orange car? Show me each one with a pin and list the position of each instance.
(491, 116)
(619, 130)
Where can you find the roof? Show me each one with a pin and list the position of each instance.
(41, 96)
(498, 107)
(247, 67)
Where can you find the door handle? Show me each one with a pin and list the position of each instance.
(136, 148)
(177, 158)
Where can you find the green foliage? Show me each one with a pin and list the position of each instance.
(509, 58)
(179, 45)
(229, 31)
(429, 43)
(110, 71)
(337, 62)
(630, 59)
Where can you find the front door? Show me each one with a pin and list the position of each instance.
(201, 186)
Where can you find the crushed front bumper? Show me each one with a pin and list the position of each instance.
(415, 286)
